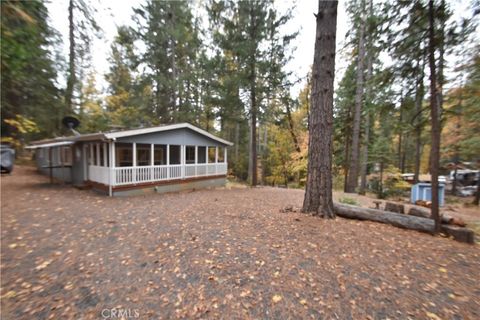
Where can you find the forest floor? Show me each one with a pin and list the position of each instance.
(223, 253)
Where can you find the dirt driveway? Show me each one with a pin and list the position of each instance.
(227, 254)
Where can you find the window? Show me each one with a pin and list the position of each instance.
(160, 154)
(221, 154)
(174, 154)
(143, 154)
(211, 154)
(202, 155)
(189, 154)
(66, 156)
(123, 155)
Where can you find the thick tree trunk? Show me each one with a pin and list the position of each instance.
(253, 101)
(253, 114)
(307, 97)
(435, 121)
(71, 62)
(352, 182)
(318, 193)
(419, 93)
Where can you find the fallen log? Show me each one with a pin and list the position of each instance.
(395, 219)
(402, 221)
(446, 219)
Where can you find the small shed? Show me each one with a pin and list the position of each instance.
(164, 158)
(423, 191)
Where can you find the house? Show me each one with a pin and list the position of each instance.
(164, 158)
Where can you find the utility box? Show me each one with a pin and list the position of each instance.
(423, 191)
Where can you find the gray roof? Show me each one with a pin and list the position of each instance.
(112, 136)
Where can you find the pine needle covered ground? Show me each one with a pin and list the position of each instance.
(231, 254)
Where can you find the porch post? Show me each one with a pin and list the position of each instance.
(152, 161)
(168, 161)
(91, 154)
(105, 154)
(110, 171)
(97, 147)
(182, 160)
(134, 162)
(112, 163)
(225, 159)
(196, 160)
(216, 159)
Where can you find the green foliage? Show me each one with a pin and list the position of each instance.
(92, 114)
(28, 86)
(391, 184)
(170, 62)
(349, 201)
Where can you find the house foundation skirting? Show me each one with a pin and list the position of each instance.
(162, 186)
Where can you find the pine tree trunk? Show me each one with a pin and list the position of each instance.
(400, 134)
(173, 62)
(364, 168)
(419, 92)
(435, 121)
(318, 193)
(441, 60)
(71, 62)
(346, 162)
(253, 100)
(352, 182)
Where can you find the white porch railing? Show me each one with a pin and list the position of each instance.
(132, 175)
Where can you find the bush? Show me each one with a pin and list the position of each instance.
(393, 184)
(347, 200)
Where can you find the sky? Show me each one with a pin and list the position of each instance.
(113, 13)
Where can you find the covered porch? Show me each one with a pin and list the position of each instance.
(120, 164)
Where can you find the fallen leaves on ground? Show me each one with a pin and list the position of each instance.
(69, 254)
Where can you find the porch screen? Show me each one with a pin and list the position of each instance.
(190, 154)
(123, 155)
(221, 154)
(174, 154)
(202, 155)
(143, 154)
(160, 154)
(211, 154)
